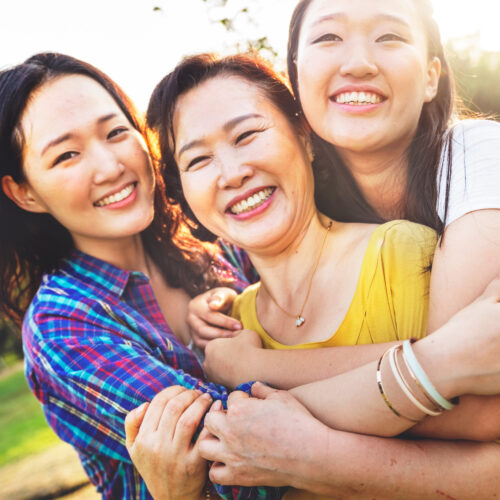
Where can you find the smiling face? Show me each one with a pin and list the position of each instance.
(364, 73)
(245, 170)
(84, 163)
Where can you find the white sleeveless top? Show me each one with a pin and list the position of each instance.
(475, 172)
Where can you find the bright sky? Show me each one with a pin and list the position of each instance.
(137, 46)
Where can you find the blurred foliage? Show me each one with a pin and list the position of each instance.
(23, 429)
(10, 342)
(232, 15)
(477, 75)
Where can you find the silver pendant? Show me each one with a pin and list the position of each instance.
(299, 321)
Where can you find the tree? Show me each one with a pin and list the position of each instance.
(476, 72)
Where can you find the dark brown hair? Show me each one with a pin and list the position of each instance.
(337, 193)
(33, 244)
(190, 73)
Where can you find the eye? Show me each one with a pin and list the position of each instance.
(64, 157)
(196, 162)
(117, 131)
(391, 37)
(327, 37)
(247, 134)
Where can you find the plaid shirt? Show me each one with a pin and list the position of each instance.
(96, 346)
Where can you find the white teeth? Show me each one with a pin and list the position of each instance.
(252, 201)
(357, 98)
(114, 198)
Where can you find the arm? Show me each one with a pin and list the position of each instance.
(304, 453)
(232, 361)
(446, 358)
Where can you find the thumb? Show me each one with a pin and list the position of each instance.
(133, 423)
(262, 391)
(221, 299)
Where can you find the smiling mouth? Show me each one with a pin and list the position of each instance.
(357, 98)
(115, 198)
(252, 202)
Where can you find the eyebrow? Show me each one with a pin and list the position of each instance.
(340, 16)
(65, 137)
(226, 127)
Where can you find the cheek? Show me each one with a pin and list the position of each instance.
(199, 193)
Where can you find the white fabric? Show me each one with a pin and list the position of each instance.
(475, 173)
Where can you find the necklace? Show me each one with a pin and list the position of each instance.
(299, 318)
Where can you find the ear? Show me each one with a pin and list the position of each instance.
(433, 76)
(22, 195)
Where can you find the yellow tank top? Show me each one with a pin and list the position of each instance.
(390, 302)
(391, 297)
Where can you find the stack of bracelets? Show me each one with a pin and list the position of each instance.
(420, 391)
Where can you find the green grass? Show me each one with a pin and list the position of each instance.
(23, 429)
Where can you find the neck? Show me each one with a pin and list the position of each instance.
(381, 178)
(126, 253)
(286, 273)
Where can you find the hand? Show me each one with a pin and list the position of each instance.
(226, 359)
(206, 318)
(469, 345)
(266, 439)
(159, 440)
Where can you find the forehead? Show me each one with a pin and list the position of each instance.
(64, 105)
(217, 100)
(368, 11)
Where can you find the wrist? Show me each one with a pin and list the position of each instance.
(440, 363)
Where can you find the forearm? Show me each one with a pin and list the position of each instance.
(352, 401)
(285, 369)
(400, 469)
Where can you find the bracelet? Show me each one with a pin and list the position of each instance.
(421, 378)
(207, 492)
(381, 389)
(404, 386)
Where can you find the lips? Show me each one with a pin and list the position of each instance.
(116, 197)
(251, 202)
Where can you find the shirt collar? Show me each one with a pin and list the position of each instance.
(99, 273)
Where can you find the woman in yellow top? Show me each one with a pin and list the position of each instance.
(236, 149)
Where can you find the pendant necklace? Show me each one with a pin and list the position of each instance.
(299, 318)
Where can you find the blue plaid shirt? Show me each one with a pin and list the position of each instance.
(96, 346)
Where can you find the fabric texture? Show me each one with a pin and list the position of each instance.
(475, 170)
(96, 346)
(391, 297)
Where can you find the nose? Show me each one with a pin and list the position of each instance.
(233, 172)
(358, 61)
(107, 165)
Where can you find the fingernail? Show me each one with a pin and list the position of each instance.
(217, 406)
(216, 300)
(206, 396)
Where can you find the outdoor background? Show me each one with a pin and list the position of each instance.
(137, 42)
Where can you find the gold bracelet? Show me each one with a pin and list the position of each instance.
(381, 389)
